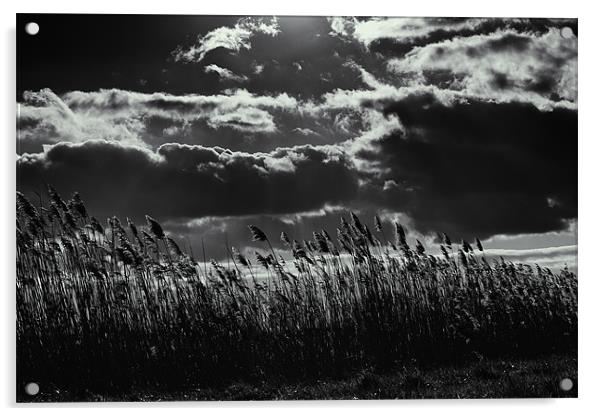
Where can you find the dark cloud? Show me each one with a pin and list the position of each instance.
(479, 168)
(179, 181)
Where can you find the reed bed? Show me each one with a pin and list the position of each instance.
(116, 306)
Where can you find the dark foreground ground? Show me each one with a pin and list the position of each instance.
(499, 378)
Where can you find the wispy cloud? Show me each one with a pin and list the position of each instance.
(45, 118)
(552, 257)
(225, 73)
(232, 38)
(125, 116)
(405, 29)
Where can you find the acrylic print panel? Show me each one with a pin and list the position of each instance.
(268, 208)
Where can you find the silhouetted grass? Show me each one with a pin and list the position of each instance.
(113, 308)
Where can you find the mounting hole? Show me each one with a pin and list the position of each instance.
(32, 28)
(566, 32)
(566, 384)
(32, 389)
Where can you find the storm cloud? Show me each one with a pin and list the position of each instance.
(478, 168)
(181, 181)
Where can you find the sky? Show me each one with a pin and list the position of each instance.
(466, 126)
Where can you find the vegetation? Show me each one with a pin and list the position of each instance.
(117, 308)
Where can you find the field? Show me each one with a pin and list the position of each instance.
(113, 309)
(491, 378)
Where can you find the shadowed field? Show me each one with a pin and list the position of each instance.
(497, 378)
(110, 310)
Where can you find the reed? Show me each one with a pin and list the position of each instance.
(114, 307)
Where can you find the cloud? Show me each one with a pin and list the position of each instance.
(396, 36)
(564, 237)
(140, 119)
(297, 66)
(225, 73)
(357, 100)
(507, 63)
(257, 68)
(44, 118)
(406, 29)
(121, 102)
(554, 258)
(533, 252)
(232, 38)
(379, 92)
(236, 119)
(246, 119)
(476, 168)
(303, 131)
(182, 181)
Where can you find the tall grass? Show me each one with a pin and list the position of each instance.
(114, 306)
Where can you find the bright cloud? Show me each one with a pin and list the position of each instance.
(503, 65)
(232, 38)
(225, 73)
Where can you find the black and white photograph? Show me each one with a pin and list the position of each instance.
(260, 208)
